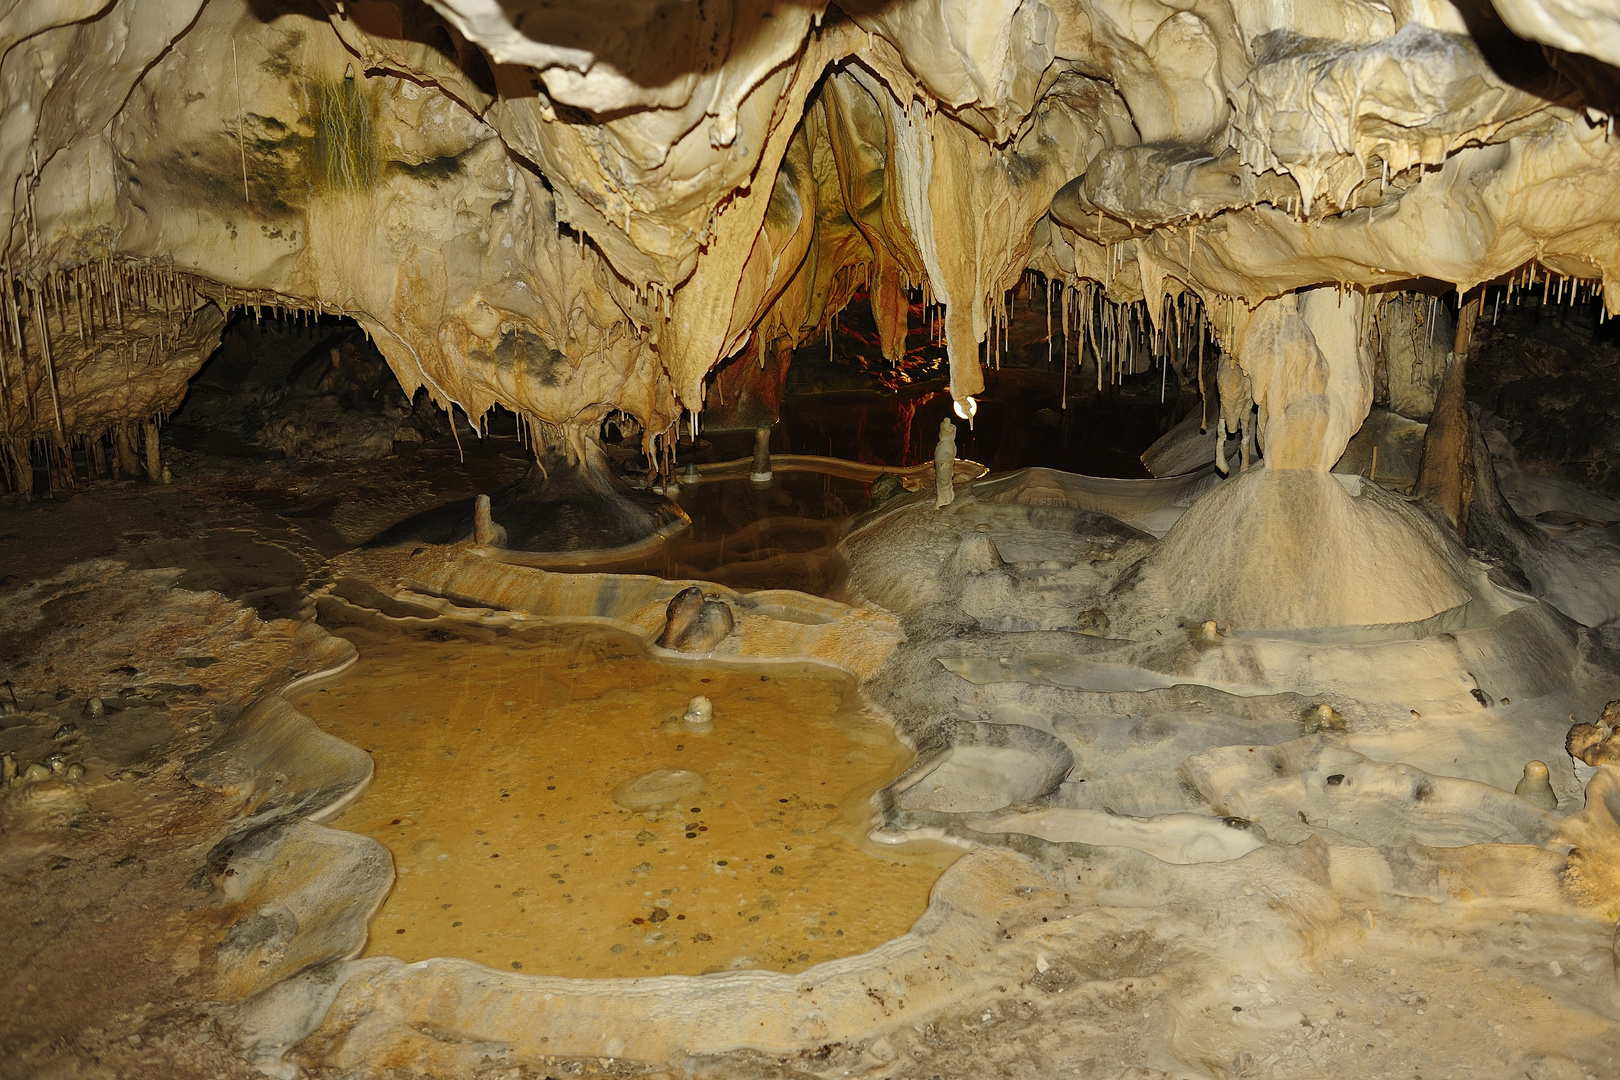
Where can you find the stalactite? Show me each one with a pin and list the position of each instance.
(43, 333)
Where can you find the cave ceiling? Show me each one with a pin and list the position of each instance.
(572, 209)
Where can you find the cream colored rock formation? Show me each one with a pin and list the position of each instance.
(569, 214)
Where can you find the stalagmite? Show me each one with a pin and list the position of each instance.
(22, 469)
(154, 458)
(945, 464)
(699, 715)
(761, 471)
(485, 530)
(1535, 786)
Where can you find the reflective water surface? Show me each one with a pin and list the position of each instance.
(496, 761)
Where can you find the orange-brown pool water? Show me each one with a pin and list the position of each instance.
(495, 764)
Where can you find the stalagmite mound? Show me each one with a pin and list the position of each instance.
(1294, 549)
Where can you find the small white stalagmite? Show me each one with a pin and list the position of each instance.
(945, 464)
(699, 715)
(1536, 787)
(485, 531)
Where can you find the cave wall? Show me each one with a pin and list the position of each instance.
(567, 216)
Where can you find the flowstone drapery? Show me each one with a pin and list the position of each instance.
(527, 211)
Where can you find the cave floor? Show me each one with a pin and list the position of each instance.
(1115, 967)
(247, 526)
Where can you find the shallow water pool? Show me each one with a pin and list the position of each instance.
(496, 763)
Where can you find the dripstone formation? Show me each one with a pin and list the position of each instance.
(1283, 756)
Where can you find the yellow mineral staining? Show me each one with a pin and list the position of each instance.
(496, 767)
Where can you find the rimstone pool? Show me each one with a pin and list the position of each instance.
(496, 767)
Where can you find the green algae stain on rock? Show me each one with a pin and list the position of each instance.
(344, 154)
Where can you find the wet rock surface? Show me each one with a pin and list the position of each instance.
(1198, 876)
(106, 888)
(1300, 772)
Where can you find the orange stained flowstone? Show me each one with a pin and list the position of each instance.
(496, 763)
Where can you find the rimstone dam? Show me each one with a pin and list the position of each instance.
(730, 539)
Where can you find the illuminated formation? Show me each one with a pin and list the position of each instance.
(1290, 756)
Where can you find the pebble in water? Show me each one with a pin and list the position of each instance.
(699, 715)
(661, 787)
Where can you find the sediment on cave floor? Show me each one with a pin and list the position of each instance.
(909, 540)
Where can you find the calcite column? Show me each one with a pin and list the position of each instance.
(1447, 476)
(1289, 546)
(127, 452)
(154, 457)
(1311, 372)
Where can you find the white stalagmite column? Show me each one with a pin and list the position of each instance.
(761, 473)
(485, 531)
(1288, 546)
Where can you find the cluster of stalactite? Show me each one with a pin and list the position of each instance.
(1111, 339)
(1086, 328)
(129, 317)
(93, 360)
(1555, 289)
(60, 331)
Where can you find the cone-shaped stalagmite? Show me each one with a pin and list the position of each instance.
(154, 458)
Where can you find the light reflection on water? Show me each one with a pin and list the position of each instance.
(783, 535)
